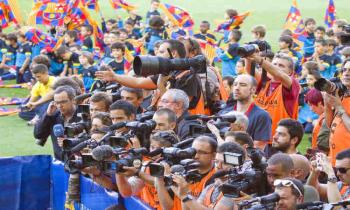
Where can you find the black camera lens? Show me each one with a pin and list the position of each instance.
(247, 50)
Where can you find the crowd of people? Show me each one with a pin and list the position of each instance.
(232, 126)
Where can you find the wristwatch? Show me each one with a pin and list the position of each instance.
(332, 179)
(186, 198)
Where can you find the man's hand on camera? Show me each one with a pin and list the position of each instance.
(108, 76)
(181, 188)
(51, 109)
(135, 142)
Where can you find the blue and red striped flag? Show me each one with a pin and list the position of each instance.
(233, 22)
(329, 18)
(295, 23)
(6, 14)
(178, 16)
(122, 4)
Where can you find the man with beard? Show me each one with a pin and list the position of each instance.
(288, 135)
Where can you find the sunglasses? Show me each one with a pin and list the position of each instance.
(286, 183)
(342, 170)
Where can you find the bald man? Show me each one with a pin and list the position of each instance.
(259, 127)
(301, 171)
(301, 167)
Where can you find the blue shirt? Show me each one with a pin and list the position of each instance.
(24, 51)
(260, 124)
(229, 60)
(88, 77)
(308, 47)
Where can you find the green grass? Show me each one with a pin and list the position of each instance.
(16, 136)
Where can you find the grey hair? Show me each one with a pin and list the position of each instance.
(179, 96)
(241, 118)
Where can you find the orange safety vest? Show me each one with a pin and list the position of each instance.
(207, 200)
(149, 193)
(199, 109)
(274, 105)
(195, 189)
(316, 130)
(340, 135)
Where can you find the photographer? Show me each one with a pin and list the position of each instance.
(278, 95)
(184, 80)
(334, 190)
(100, 102)
(139, 181)
(177, 101)
(205, 154)
(134, 96)
(121, 111)
(62, 110)
(211, 197)
(337, 115)
(165, 119)
(291, 193)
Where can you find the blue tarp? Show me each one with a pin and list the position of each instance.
(37, 182)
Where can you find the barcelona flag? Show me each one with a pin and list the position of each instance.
(295, 23)
(121, 4)
(329, 18)
(49, 12)
(177, 15)
(6, 14)
(43, 40)
(233, 22)
(208, 49)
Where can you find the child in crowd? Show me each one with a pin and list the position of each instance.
(23, 58)
(320, 32)
(323, 60)
(70, 60)
(286, 46)
(117, 54)
(259, 33)
(155, 33)
(88, 69)
(153, 11)
(86, 31)
(133, 33)
(204, 33)
(8, 63)
(240, 67)
(308, 48)
(230, 58)
(71, 38)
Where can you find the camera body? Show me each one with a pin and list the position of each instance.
(251, 47)
(331, 86)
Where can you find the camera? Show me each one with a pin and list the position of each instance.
(73, 129)
(133, 158)
(233, 159)
(142, 130)
(117, 141)
(188, 168)
(267, 202)
(332, 86)
(251, 47)
(251, 181)
(85, 160)
(153, 65)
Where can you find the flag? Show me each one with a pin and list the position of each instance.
(294, 22)
(6, 14)
(49, 12)
(22, 85)
(15, 10)
(5, 101)
(233, 22)
(178, 16)
(91, 4)
(329, 18)
(42, 39)
(8, 111)
(122, 4)
(208, 49)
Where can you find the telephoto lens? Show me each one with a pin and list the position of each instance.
(247, 50)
